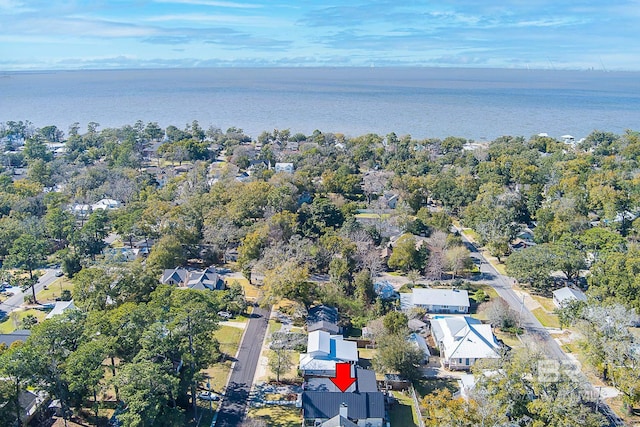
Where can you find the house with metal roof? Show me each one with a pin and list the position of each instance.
(365, 383)
(324, 351)
(463, 340)
(320, 408)
(563, 296)
(450, 301)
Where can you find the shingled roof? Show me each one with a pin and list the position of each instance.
(321, 404)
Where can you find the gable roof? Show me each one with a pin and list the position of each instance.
(464, 337)
(566, 294)
(17, 335)
(320, 404)
(338, 421)
(322, 313)
(430, 296)
(60, 307)
(199, 280)
(365, 383)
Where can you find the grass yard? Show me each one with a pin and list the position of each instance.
(217, 375)
(424, 387)
(15, 319)
(54, 290)
(509, 339)
(546, 303)
(403, 413)
(278, 416)
(229, 339)
(372, 216)
(251, 293)
(548, 320)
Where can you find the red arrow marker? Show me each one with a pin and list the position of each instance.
(343, 378)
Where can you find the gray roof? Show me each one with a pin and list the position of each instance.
(366, 383)
(17, 335)
(566, 294)
(324, 405)
(322, 313)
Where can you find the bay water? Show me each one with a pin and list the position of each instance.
(478, 104)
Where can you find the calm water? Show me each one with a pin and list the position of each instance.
(424, 102)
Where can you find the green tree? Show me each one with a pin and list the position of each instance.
(405, 255)
(84, 370)
(27, 252)
(396, 355)
(149, 391)
(280, 361)
(532, 265)
(166, 253)
(395, 322)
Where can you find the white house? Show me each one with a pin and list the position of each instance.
(419, 342)
(105, 204)
(324, 351)
(463, 340)
(563, 296)
(452, 301)
(284, 167)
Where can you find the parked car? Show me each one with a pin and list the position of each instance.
(59, 273)
(208, 395)
(225, 314)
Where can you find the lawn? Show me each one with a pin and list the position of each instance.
(548, 320)
(251, 293)
(546, 303)
(217, 376)
(15, 319)
(424, 387)
(509, 339)
(403, 413)
(280, 416)
(372, 216)
(54, 290)
(229, 338)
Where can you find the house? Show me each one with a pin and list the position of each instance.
(324, 351)
(463, 340)
(60, 307)
(389, 200)
(193, 279)
(365, 383)
(385, 289)
(467, 383)
(563, 296)
(419, 342)
(452, 301)
(105, 204)
(323, 318)
(284, 167)
(80, 209)
(320, 408)
(17, 335)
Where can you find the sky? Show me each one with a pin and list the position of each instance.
(101, 34)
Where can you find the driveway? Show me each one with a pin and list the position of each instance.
(234, 404)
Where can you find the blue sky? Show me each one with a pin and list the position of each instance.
(75, 34)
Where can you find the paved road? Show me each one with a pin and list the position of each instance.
(534, 331)
(233, 407)
(18, 297)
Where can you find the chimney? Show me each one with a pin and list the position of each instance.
(344, 410)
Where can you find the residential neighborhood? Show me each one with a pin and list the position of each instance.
(192, 277)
